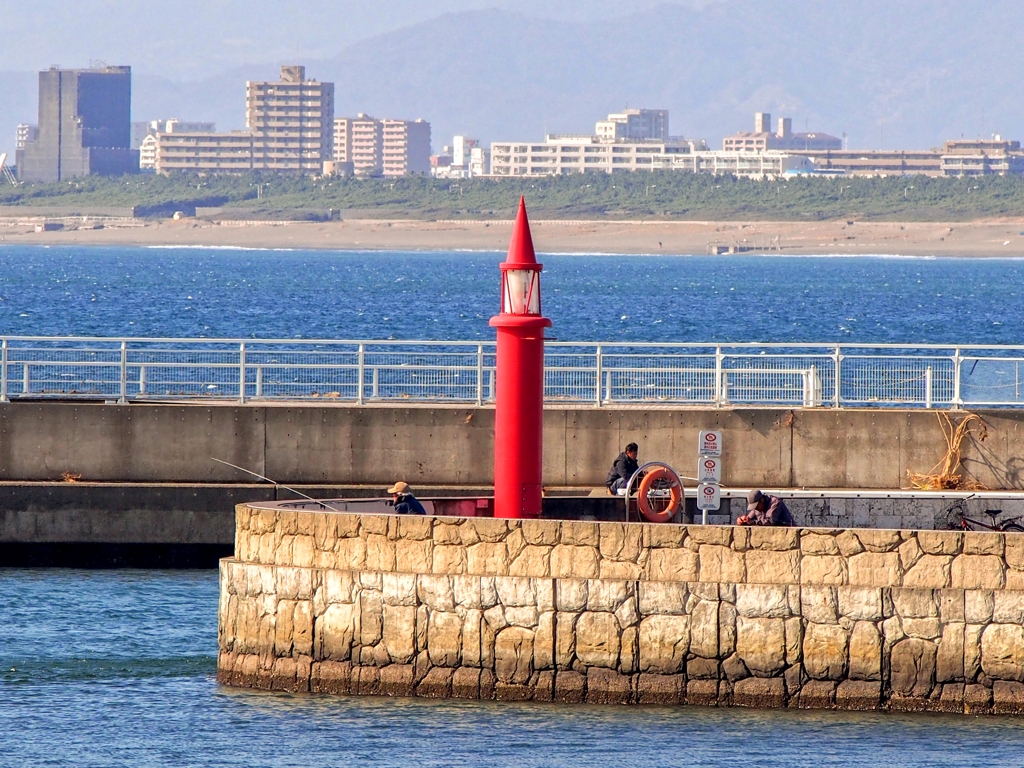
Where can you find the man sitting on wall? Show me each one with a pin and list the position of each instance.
(624, 468)
(763, 509)
(405, 503)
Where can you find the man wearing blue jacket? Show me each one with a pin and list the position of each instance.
(405, 502)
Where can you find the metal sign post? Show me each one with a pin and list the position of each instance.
(709, 473)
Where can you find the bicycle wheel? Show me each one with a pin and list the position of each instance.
(1013, 528)
(952, 517)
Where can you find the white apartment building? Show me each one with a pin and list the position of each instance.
(382, 147)
(291, 121)
(769, 164)
(468, 159)
(204, 152)
(634, 125)
(581, 154)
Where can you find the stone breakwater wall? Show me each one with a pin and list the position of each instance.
(624, 613)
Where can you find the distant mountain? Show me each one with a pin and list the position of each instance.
(909, 74)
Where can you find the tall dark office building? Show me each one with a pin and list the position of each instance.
(84, 126)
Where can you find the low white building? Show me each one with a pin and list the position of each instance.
(560, 154)
(468, 160)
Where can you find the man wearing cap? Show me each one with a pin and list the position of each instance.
(763, 509)
(405, 503)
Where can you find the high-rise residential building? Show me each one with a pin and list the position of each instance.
(25, 133)
(634, 125)
(762, 139)
(405, 147)
(84, 126)
(382, 147)
(291, 121)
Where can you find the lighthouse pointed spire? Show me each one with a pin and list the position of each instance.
(520, 249)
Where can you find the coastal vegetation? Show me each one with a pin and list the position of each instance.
(658, 195)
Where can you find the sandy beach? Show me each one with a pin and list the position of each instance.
(1004, 237)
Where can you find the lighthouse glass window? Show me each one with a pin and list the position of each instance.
(522, 292)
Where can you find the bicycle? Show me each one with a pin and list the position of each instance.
(954, 517)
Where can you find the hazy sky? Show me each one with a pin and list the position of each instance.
(188, 39)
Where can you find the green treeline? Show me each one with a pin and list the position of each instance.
(659, 195)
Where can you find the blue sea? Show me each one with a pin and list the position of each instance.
(229, 293)
(116, 668)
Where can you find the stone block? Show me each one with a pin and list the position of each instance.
(704, 628)
(979, 605)
(818, 604)
(913, 668)
(522, 616)
(1007, 698)
(544, 689)
(516, 592)
(734, 669)
(865, 654)
(446, 532)
(487, 558)
(544, 641)
(663, 535)
(435, 591)
(771, 567)
(487, 529)
(927, 629)
(437, 684)
(817, 694)
(416, 527)
(818, 544)
(666, 564)
(444, 638)
(578, 562)
(702, 693)
(467, 593)
(662, 597)
(371, 617)
(951, 606)
(605, 595)
(664, 641)
(759, 692)
(627, 614)
(293, 583)
(582, 533)
(495, 617)
(472, 638)
(1002, 652)
(931, 571)
(848, 543)
(287, 675)
(825, 651)
(621, 569)
(1014, 580)
(606, 686)
(721, 563)
(1014, 554)
(870, 569)
(466, 683)
(570, 687)
(629, 656)
(771, 538)
(380, 553)
(726, 629)
(977, 572)
(414, 556)
(597, 639)
(940, 542)
(761, 644)
(397, 680)
(541, 532)
(532, 561)
(878, 540)
(977, 543)
(915, 603)
(710, 534)
(822, 569)
(977, 700)
(350, 554)
(399, 589)
(330, 677)
(620, 541)
(515, 542)
(1008, 607)
(571, 594)
(949, 660)
(513, 655)
(858, 695)
(661, 689)
(400, 633)
(762, 601)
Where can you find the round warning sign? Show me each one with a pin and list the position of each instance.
(709, 469)
(710, 443)
(709, 496)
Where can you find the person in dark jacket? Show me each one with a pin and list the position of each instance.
(624, 468)
(405, 502)
(763, 509)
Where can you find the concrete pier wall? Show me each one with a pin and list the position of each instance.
(624, 613)
(374, 445)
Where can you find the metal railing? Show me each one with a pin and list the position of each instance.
(600, 374)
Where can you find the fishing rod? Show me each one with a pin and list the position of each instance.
(276, 484)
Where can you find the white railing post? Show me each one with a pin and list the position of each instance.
(598, 375)
(241, 373)
(142, 379)
(375, 378)
(259, 381)
(719, 379)
(836, 395)
(124, 373)
(928, 387)
(25, 379)
(479, 375)
(957, 402)
(3, 372)
(362, 374)
(608, 386)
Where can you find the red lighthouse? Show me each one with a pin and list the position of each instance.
(519, 395)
